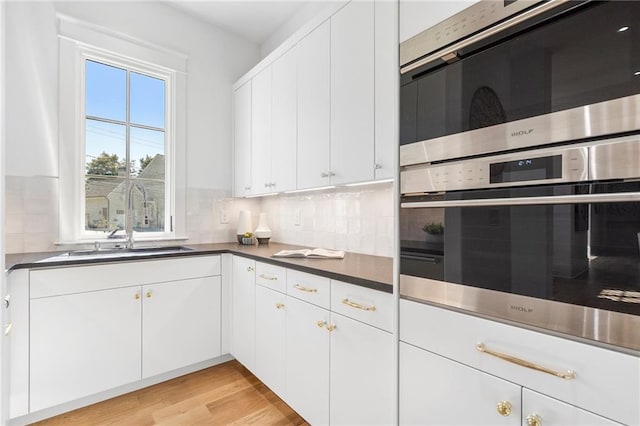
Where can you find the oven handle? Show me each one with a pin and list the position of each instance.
(422, 258)
(528, 201)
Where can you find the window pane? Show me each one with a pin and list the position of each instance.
(155, 195)
(105, 91)
(147, 100)
(104, 203)
(105, 148)
(147, 153)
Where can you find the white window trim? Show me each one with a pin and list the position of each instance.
(79, 42)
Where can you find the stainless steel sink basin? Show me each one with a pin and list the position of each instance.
(117, 252)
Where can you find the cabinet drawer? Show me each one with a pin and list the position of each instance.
(59, 281)
(606, 381)
(274, 277)
(363, 304)
(308, 287)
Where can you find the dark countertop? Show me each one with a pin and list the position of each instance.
(374, 272)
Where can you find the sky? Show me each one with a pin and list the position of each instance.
(105, 97)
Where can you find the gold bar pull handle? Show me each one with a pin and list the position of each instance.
(267, 277)
(307, 289)
(7, 329)
(348, 302)
(568, 375)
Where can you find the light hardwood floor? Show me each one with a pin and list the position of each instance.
(225, 394)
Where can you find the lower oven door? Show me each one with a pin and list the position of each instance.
(562, 257)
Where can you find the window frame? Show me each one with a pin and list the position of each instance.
(79, 41)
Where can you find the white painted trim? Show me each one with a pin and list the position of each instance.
(290, 43)
(79, 41)
(4, 315)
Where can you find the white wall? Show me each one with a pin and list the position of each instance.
(4, 364)
(216, 59)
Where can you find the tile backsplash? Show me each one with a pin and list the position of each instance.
(357, 219)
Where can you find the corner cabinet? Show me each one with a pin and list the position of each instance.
(446, 380)
(92, 329)
(242, 140)
(331, 119)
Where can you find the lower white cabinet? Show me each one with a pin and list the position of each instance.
(83, 343)
(181, 324)
(307, 353)
(94, 330)
(243, 311)
(538, 409)
(271, 338)
(362, 374)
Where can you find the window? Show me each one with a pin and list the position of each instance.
(125, 139)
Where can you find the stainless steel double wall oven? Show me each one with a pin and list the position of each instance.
(520, 166)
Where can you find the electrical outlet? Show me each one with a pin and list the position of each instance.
(296, 217)
(224, 216)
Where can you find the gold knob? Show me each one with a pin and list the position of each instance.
(534, 420)
(249, 269)
(504, 408)
(331, 327)
(279, 305)
(148, 294)
(320, 323)
(137, 296)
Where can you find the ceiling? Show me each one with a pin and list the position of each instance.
(252, 20)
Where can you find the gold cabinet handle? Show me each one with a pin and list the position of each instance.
(569, 374)
(534, 420)
(249, 268)
(7, 329)
(279, 305)
(504, 408)
(307, 289)
(321, 323)
(148, 294)
(267, 277)
(137, 296)
(357, 305)
(331, 327)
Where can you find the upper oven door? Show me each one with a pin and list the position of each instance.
(571, 76)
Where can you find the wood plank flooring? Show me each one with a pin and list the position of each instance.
(221, 395)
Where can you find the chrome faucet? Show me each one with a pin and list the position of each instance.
(130, 213)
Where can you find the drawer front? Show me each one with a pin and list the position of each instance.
(605, 383)
(270, 276)
(78, 279)
(363, 304)
(308, 287)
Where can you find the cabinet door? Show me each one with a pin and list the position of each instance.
(284, 116)
(352, 93)
(271, 339)
(243, 312)
(313, 108)
(435, 390)
(308, 361)
(83, 343)
(180, 324)
(386, 88)
(242, 140)
(261, 132)
(550, 412)
(362, 374)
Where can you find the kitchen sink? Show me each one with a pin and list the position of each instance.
(117, 252)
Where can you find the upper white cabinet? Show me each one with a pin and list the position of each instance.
(314, 116)
(242, 140)
(352, 94)
(324, 111)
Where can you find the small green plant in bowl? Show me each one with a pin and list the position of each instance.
(433, 228)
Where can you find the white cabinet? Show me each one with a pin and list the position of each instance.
(242, 140)
(284, 117)
(243, 311)
(261, 132)
(271, 339)
(434, 390)
(314, 91)
(551, 412)
(362, 374)
(352, 94)
(83, 343)
(181, 324)
(307, 371)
